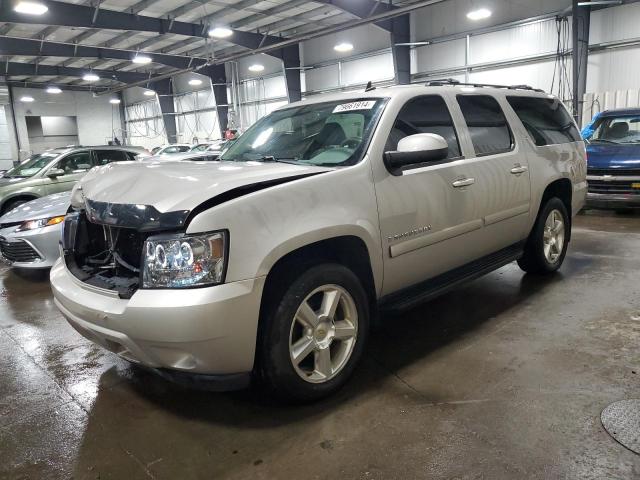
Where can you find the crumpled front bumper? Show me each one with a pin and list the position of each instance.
(208, 331)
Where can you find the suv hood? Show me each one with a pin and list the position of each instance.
(181, 186)
(45, 207)
(613, 156)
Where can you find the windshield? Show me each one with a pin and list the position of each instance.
(32, 165)
(323, 134)
(622, 130)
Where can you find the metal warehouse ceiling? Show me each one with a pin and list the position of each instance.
(104, 35)
(280, 18)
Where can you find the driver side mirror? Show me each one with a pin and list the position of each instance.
(55, 172)
(416, 149)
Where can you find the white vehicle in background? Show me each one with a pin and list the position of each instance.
(171, 149)
(30, 234)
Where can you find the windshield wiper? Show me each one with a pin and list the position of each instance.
(602, 140)
(271, 158)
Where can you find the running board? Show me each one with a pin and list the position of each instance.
(424, 291)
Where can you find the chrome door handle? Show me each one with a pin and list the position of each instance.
(518, 169)
(464, 182)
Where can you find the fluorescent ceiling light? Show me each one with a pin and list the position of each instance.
(256, 67)
(220, 32)
(31, 8)
(26, 98)
(343, 47)
(479, 14)
(115, 101)
(141, 59)
(195, 82)
(149, 93)
(53, 90)
(91, 77)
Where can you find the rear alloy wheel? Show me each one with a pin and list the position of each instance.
(313, 338)
(553, 236)
(546, 246)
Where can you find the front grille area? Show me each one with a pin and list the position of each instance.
(619, 187)
(18, 251)
(103, 256)
(614, 171)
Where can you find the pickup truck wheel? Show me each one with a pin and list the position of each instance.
(547, 244)
(315, 336)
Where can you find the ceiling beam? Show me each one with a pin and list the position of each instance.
(63, 86)
(363, 9)
(28, 69)
(31, 47)
(82, 16)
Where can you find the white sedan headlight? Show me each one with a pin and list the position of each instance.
(178, 261)
(39, 223)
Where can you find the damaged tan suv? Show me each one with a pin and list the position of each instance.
(269, 264)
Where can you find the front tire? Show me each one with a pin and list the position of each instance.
(10, 205)
(547, 244)
(315, 335)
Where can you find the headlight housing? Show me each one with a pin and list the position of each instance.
(39, 223)
(182, 261)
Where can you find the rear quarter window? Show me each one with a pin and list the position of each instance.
(488, 127)
(545, 119)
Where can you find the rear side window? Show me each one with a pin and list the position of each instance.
(107, 156)
(77, 162)
(427, 114)
(546, 120)
(488, 127)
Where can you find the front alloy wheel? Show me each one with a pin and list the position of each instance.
(323, 333)
(314, 332)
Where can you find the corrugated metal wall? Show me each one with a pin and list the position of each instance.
(613, 79)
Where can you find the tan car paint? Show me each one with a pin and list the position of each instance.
(414, 227)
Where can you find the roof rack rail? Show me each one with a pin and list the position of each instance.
(454, 82)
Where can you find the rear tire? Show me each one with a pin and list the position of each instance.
(547, 244)
(313, 337)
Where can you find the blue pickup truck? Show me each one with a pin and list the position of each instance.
(613, 159)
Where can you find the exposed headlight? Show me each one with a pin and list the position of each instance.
(39, 223)
(184, 260)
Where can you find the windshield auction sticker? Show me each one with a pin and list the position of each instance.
(348, 107)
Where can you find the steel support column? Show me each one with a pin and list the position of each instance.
(400, 33)
(580, 30)
(164, 89)
(218, 77)
(291, 65)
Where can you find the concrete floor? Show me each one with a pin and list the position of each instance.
(505, 378)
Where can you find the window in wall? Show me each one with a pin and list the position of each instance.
(488, 127)
(107, 156)
(427, 114)
(546, 120)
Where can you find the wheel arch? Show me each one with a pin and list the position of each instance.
(348, 250)
(17, 196)
(563, 189)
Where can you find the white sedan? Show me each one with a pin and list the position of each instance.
(30, 233)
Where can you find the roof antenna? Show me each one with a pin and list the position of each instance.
(369, 87)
